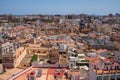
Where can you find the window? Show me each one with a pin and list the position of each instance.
(39, 52)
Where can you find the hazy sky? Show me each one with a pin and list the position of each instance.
(21, 7)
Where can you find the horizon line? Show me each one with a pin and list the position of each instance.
(58, 14)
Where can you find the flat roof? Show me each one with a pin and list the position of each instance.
(23, 74)
(25, 60)
(9, 73)
(18, 51)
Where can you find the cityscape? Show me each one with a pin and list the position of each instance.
(59, 44)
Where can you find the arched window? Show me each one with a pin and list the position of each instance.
(38, 51)
(44, 51)
(95, 67)
(107, 68)
(33, 51)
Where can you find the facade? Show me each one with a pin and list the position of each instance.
(104, 28)
(8, 60)
(1, 69)
(0, 51)
(9, 47)
(54, 56)
(105, 70)
(7, 51)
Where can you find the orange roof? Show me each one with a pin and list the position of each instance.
(116, 64)
(94, 63)
(101, 50)
(91, 59)
(106, 71)
(74, 72)
(51, 71)
(106, 60)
